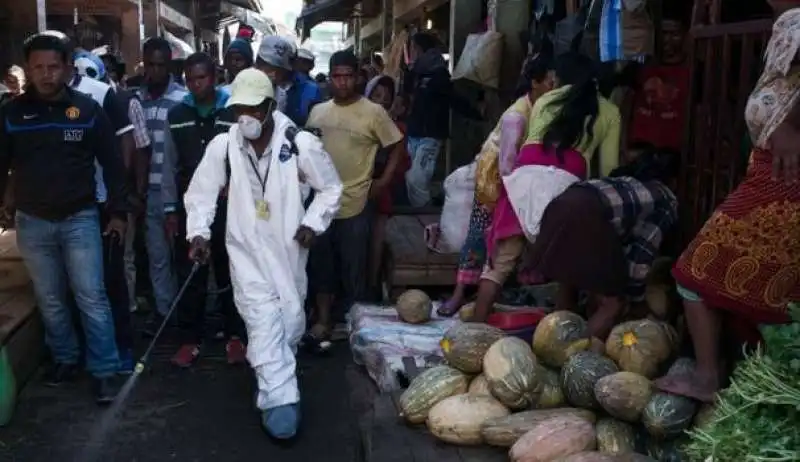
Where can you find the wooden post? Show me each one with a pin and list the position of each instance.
(357, 30)
(41, 15)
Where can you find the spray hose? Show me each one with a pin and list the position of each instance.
(139, 368)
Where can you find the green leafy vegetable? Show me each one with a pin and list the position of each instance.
(757, 418)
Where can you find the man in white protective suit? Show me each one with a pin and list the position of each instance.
(264, 160)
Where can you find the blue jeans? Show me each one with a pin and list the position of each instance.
(70, 251)
(424, 153)
(159, 253)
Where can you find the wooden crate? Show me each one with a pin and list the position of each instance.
(409, 262)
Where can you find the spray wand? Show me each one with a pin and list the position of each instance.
(139, 368)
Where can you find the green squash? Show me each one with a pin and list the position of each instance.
(615, 436)
(512, 372)
(465, 344)
(668, 416)
(624, 395)
(427, 389)
(670, 450)
(558, 336)
(551, 396)
(580, 375)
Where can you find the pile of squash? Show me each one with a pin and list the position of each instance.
(556, 398)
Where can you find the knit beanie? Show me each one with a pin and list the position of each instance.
(242, 47)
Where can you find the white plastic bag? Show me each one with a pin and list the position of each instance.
(459, 188)
(530, 190)
(480, 60)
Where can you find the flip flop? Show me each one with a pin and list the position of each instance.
(448, 309)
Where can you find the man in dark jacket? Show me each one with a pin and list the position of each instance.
(429, 120)
(192, 125)
(50, 137)
(295, 94)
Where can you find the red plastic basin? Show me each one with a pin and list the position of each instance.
(517, 320)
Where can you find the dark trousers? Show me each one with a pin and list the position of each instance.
(339, 259)
(117, 285)
(192, 305)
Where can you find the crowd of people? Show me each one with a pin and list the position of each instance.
(282, 194)
(242, 178)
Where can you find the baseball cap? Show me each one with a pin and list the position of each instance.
(303, 53)
(250, 88)
(276, 51)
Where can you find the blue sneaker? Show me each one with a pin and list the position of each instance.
(281, 422)
(126, 362)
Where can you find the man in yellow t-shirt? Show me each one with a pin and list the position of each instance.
(353, 129)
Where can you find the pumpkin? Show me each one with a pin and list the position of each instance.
(667, 416)
(558, 336)
(634, 457)
(427, 389)
(589, 456)
(581, 373)
(682, 367)
(505, 431)
(458, 419)
(414, 306)
(551, 395)
(623, 395)
(554, 439)
(670, 450)
(512, 372)
(704, 416)
(467, 311)
(639, 346)
(615, 436)
(479, 386)
(465, 344)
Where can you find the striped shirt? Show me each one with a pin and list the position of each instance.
(156, 111)
(641, 213)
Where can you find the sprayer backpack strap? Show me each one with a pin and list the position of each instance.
(290, 134)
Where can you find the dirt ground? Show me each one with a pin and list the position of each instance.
(197, 415)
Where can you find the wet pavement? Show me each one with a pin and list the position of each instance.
(201, 414)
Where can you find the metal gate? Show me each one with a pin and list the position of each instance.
(725, 60)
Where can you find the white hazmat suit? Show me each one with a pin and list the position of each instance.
(268, 267)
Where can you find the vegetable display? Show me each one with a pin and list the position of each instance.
(505, 392)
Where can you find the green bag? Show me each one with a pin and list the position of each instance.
(8, 389)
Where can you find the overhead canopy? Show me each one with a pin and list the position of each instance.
(321, 11)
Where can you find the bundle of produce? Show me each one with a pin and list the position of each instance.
(757, 418)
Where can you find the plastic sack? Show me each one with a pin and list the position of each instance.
(530, 190)
(487, 178)
(459, 188)
(379, 341)
(480, 60)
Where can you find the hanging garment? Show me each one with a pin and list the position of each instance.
(626, 31)
(268, 267)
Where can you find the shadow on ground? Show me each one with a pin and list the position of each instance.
(202, 414)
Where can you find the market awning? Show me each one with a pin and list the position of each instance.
(247, 16)
(322, 11)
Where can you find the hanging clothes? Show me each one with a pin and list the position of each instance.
(626, 31)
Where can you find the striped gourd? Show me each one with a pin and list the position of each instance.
(428, 388)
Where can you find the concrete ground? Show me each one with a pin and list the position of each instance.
(197, 415)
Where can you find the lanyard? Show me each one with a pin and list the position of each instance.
(261, 181)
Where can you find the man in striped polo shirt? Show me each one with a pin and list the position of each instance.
(159, 94)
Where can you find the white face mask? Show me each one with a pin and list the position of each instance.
(250, 127)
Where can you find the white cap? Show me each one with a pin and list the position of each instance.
(276, 51)
(302, 53)
(250, 88)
